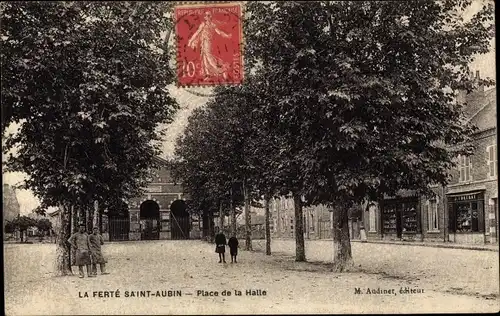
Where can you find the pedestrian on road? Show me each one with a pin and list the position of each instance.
(233, 248)
(95, 242)
(80, 241)
(220, 246)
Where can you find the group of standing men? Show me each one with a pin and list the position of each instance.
(88, 251)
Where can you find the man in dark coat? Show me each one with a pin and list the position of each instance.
(233, 248)
(220, 246)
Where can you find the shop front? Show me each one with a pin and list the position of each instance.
(400, 219)
(466, 217)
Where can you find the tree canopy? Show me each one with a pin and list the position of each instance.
(346, 100)
(87, 83)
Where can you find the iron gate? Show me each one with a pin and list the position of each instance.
(180, 226)
(119, 229)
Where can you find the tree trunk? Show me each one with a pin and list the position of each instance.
(248, 219)
(21, 233)
(233, 214)
(300, 250)
(210, 229)
(89, 211)
(74, 219)
(95, 215)
(99, 223)
(63, 262)
(221, 216)
(205, 224)
(81, 215)
(268, 228)
(342, 256)
(75, 215)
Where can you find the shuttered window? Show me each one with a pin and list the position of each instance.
(491, 155)
(465, 168)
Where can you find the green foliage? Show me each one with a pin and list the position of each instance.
(86, 81)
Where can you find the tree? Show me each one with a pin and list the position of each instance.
(22, 224)
(9, 228)
(210, 156)
(86, 82)
(43, 225)
(364, 92)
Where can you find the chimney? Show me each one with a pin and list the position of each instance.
(477, 75)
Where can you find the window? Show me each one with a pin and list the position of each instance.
(465, 167)
(432, 215)
(312, 222)
(372, 218)
(491, 156)
(467, 217)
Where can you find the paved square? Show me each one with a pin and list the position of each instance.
(451, 280)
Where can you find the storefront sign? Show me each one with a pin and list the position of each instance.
(466, 197)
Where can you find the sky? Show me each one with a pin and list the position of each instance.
(485, 64)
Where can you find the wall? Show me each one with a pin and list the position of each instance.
(430, 234)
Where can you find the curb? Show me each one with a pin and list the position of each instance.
(411, 243)
(431, 245)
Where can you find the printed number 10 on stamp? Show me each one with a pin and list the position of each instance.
(209, 44)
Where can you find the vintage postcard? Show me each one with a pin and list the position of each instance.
(246, 157)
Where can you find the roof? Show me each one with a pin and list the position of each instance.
(485, 116)
(55, 213)
(161, 160)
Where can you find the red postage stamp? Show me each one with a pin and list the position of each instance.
(209, 44)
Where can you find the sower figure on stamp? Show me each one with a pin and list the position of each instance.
(211, 64)
(220, 246)
(233, 248)
(95, 242)
(80, 241)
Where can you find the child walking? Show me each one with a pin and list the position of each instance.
(220, 246)
(233, 248)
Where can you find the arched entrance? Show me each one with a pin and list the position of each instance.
(119, 222)
(179, 219)
(150, 220)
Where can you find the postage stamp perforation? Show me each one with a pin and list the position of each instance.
(189, 3)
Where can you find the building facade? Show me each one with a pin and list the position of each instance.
(464, 211)
(152, 216)
(317, 220)
(472, 195)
